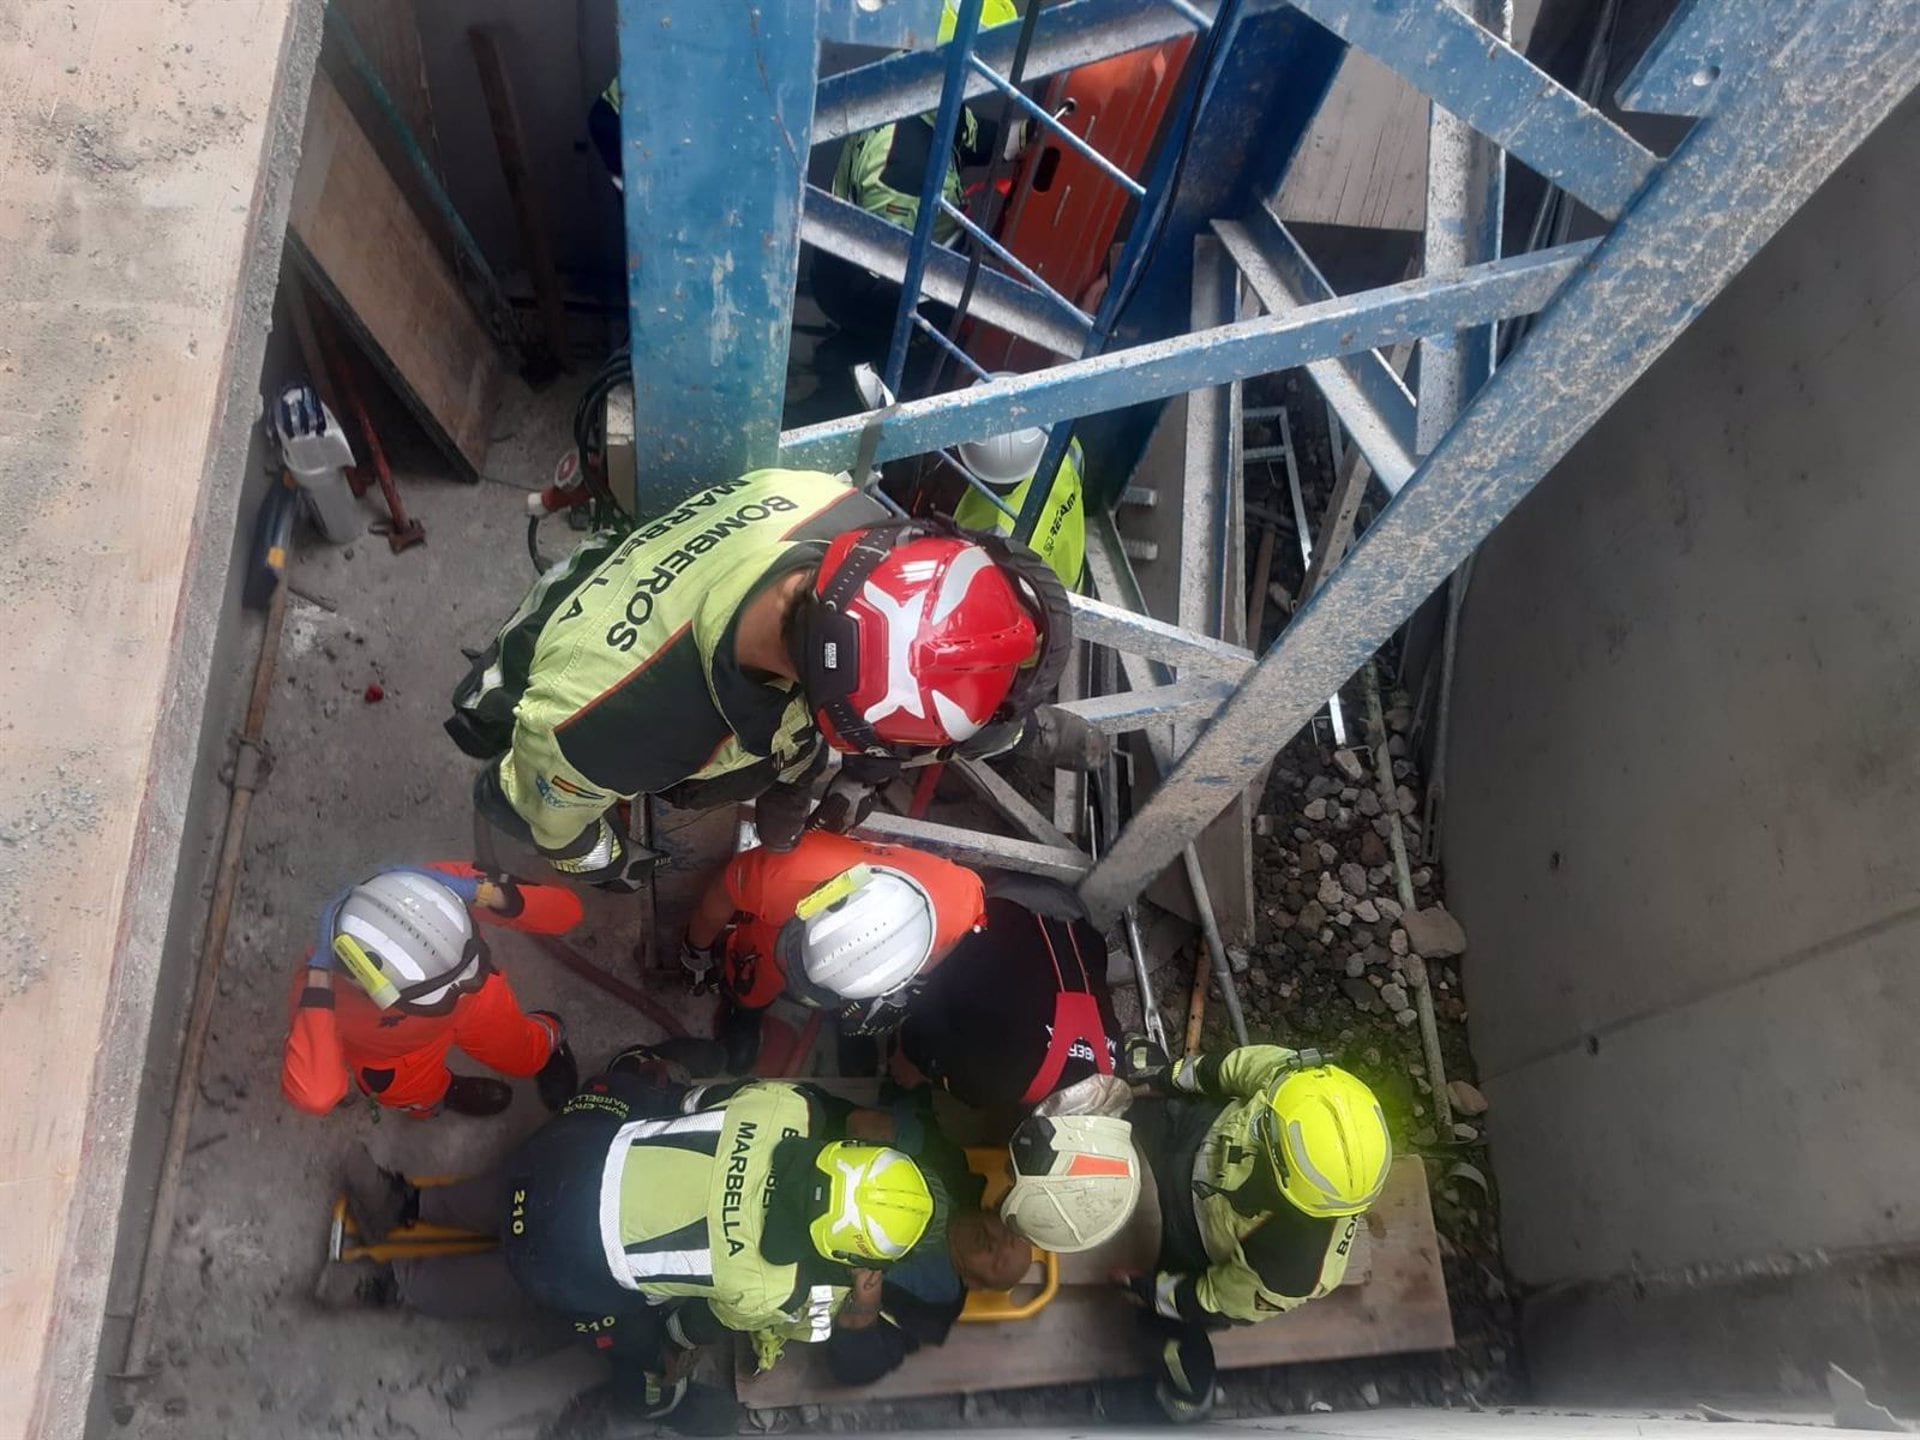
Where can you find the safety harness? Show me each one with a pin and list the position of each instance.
(1076, 1017)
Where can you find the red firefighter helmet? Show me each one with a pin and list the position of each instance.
(917, 637)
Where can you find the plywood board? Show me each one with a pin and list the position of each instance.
(1090, 1333)
(389, 33)
(1364, 160)
(143, 150)
(367, 253)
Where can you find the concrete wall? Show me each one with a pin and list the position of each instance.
(1684, 789)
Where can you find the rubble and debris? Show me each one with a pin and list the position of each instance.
(1434, 933)
(1467, 1099)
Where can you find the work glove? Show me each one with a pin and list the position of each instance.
(1136, 1286)
(854, 789)
(848, 801)
(613, 863)
(1182, 1077)
(1142, 1062)
(780, 816)
(1062, 740)
(630, 876)
(700, 962)
(557, 1081)
(513, 900)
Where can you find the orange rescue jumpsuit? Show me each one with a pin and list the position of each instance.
(399, 1057)
(765, 886)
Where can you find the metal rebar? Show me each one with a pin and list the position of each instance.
(932, 332)
(1416, 973)
(464, 244)
(979, 486)
(946, 123)
(248, 774)
(1305, 533)
(1434, 814)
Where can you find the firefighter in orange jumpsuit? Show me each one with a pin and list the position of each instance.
(843, 924)
(419, 981)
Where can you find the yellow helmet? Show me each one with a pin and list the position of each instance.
(994, 12)
(871, 1204)
(1326, 1138)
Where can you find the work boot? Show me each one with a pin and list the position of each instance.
(345, 1285)
(378, 1201)
(478, 1095)
(1062, 740)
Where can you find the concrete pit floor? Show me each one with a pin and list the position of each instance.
(242, 1348)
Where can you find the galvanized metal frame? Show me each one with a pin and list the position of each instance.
(1344, 325)
(1783, 90)
(714, 144)
(1771, 138)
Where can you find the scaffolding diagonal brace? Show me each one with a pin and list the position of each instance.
(1732, 183)
(1136, 634)
(1372, 401)
(1076, 32)
(1154, 371)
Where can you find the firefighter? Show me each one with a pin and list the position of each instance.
(1020, 1009)
(829, 1191)
(715, 654)
(921, 1297)
(420, 983)
(1265, 1159)
(842, 924)
(662, 1215)
(1075, 1183)
(1006, 463)
(603, 129)
(883, 172)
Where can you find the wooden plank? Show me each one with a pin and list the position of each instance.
(389, 31)
(141, 206)
(510, 140)
(1364, 159)
(365, 250)
(1089, 1333)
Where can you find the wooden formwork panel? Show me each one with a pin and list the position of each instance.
(364, 248)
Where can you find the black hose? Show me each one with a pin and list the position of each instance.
(533, 544)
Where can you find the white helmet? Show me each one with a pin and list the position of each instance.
(1076, 1180)
(1005, 460)
(416, 931)
(862, 935)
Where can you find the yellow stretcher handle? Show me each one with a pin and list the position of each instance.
(984, 1306)
(990, 1163)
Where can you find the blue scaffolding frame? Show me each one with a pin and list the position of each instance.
(1781, 91)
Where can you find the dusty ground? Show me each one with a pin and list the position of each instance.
(354, 784)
